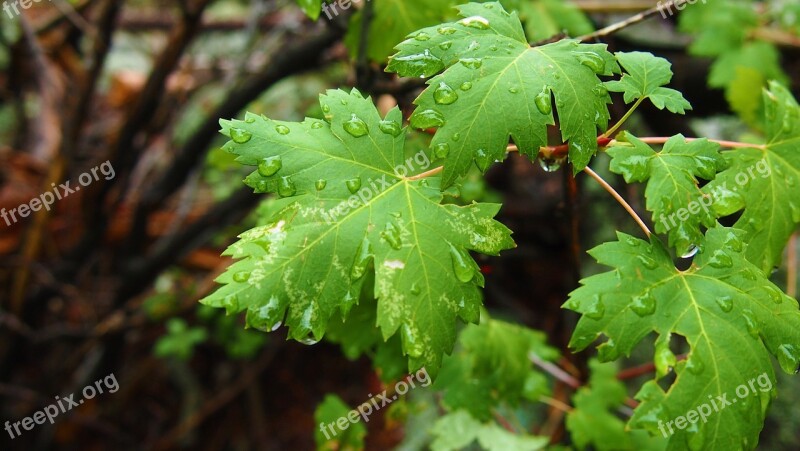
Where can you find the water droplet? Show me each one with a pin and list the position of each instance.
(691, 251)
(421, 36)
(422, 63)
(266, 318)
(644, 304)
(664, 358)
(477, 22)
(557, 76)
(493, 48)
(648, 262)
(241, 276)
(240, 136)
(353, 185)
(270, 165)
(390, 128)
(513, 89)
(282, 129)
(441, 150)
(456, 137)
(231, 304)
(361, 263)
(249, 119)
(733, 242)
(551, 164)
(756, 224)
(320, 184)
(325, 108)
(787, 358)
(608, 351)
(543, 101)
(488, 5)
(444, 94)
(774, 294)
(462, 264)
(415, 289)
(309, 340)
(719, 259)
(695, 365)
(725, 303)
(316, 125)
(595, 309)
(426, 119)
(446, 45)
(752, 326)
(262, 186)
(472, 63)
(446, 30)
(482, 160)
(396, 214)
(391, 234)
(286, 187)
(633, 242)
(593, 61)
(600, 91)
(355, 127)
(466, 86)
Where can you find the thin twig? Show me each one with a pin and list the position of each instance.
(730, 144)
(613, 28)
(560, 405)
(619, 199)
(555, 371)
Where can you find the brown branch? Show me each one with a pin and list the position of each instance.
(619, 199)
(613, 28)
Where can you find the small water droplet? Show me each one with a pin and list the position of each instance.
(482, 160)
(241, 276)
(426, 119)
(444, 94)
(320, 184)
(353, 185)
(725, 303)
(316, 125)
(595, 309)
(240, 136)
(696, 440)
(249, 119)
(446, 30)
(442, 150)
(477, 22)
(466, 86)
(719, 259)
(733, 242)
(551, 164)
(593, 61)
(513, 89)
(600, 91)
(774, 295)
(695, 366)
(391, 234)
(795, 211)
(415, 289)
(557, 76)
(644, 304)
(752, 326)
(446, 45)
(456, 137)
(325, 108)
(787, 358)
(664, 358)
(421, 36)
(493, 48)
(608, 351)
(270, 165)
(462, 264)
(472, 63)
(282, 129)
(262, 186)
(543, 101)
(633, 242)
(648, 262)
(390, 128)
(355, 127)
(286, 187)
(361, 263)
(691, 251)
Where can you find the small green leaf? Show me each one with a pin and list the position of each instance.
(458, 430)
(328, 436)
(644, 79)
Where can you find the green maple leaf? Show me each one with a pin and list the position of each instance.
(593, 423)
(494, 85)
(546, 18)
(492, 367)
(730, 314)
(458, 430)
(329, 412)
(646, 75)
(352, 209)
(679, 206)
(312, 8)
(766, 183)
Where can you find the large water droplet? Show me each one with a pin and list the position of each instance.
(286, 187)
(644, 304)
(595, 309)
(422, 63)
(426, 119)
(363, 256)
(270, 165)
(725, 303)
(482, 160)
(240, 136)
(462, 264)
(391, 234)
(262, 186)
(593, 61)
(320, 184)
(787, 358)
(355, 127)
(719, 259)
(316, 125)
(241, 276)
(282, 129)
(390, 128)
(444, 94)
(478, 22)
(543, 101)
(325, 108)
(353, 185)
(441, 150)
(472, 63)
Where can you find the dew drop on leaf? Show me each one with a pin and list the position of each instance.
(282, 129)
(446, 30)
(477, 22)
(286, 187)
(390, 128)
(363, 256)
(355, 127)
(647, 262)
(752, 327)
(240, 136)
(316, 125)
(733, 242)
(441, 150)
(719, 259)
(444, 94)
(691, 251)
(472, 63)
(795, 211)
(644, 304)
(694, 365)
(421, 36)
(608, 351)
(462, 264)
(446, 45)
(391, 235)
(241, 276)
(466, 86)
(325, 108)
(513, 89)
(600, 91)
(231, 304)
(353, 185)
(456, 137)
(423, 63)
(415, 289)
(595, 309)
(787, 358)
(725, 303)
(543, 101)
(262, 186)
(633, 242)
(270, 165)
(551, 164)
(774, 294)
(593, 61)
(426, 119)
(482, 160)
(250, 119)
(320, 184)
